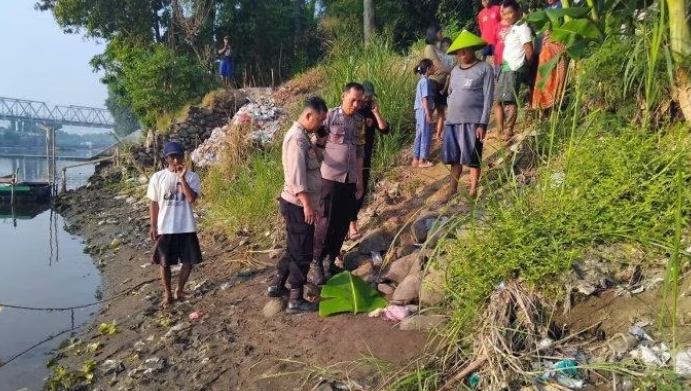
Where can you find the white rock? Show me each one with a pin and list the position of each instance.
(273, 307)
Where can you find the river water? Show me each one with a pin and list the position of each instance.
(41, 265)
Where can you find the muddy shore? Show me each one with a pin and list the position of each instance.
(233, 345)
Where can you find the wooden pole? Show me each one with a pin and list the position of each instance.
(63, 185)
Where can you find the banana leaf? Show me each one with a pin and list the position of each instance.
(345, 292)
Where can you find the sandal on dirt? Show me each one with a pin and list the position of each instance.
(426, 165)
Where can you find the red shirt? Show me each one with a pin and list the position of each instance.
(500, 34)
(488, 20)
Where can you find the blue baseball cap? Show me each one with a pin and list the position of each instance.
(173, 148)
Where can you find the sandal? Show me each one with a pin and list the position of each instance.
(426, 165)
(354, 236)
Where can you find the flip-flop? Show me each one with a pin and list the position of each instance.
(426, 165)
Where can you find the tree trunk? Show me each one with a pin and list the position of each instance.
(368, 20)
(680, 42)
(297, 33)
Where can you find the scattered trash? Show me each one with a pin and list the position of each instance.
(196, 315)
(396, 313)
(264, 117)
(474, 381)
(144, 265)
(112, 367)
(545, 343)
(640, 334)
(376, 258)
(657, 356)
(139, 346)
(682, 365)
(565, 373)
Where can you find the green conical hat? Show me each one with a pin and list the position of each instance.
(466, 39)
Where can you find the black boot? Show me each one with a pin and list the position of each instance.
(277, 286)
(297, 304)
(318, 277)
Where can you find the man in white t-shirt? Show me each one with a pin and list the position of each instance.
(517, 54)
(172, 192)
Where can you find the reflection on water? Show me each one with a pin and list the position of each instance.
(36, 169)
(42, 266)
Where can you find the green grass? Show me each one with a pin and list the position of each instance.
(244, 197)
(619, 185)
(394, 81)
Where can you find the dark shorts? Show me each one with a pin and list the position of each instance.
(461, 145)
(438, 98)
(507, 86)
(170, 249)
(226, 68)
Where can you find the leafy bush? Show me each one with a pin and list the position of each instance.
(601, 76)
(609, 185)
(159, 81)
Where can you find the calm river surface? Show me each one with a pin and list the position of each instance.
(41, 265)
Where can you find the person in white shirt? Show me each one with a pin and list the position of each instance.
(517, 54)
(172, 192)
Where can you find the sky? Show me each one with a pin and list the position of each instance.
(39, 62)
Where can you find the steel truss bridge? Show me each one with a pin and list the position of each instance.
(21, 110)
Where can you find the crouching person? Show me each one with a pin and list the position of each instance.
(299, 202)
(172, 192)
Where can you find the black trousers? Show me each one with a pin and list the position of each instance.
(295, 263)
(338, 203)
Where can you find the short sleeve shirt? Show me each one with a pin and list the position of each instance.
(514, 52)
(433, 54)
(175, 212)
(343, 145)
(300, 167)
(424, 91)
(488, 20)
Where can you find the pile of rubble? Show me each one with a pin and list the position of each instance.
(261, 120)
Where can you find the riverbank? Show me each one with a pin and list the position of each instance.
(233, 345)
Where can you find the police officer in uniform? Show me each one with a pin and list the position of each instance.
(341, 142)
(299, 204)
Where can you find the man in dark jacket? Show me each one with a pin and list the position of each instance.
(374, 121)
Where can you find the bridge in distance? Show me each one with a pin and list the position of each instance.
(20, 111)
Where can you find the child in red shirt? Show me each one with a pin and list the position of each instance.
(488, 21)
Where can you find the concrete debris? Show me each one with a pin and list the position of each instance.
(264, 118)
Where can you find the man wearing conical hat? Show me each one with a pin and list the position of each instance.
(471, 88)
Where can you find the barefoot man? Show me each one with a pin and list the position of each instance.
(172, 192)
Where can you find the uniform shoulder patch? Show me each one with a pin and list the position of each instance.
(303, 143)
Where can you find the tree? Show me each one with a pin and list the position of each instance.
(120, 108)
(368, 20)
(680, 43)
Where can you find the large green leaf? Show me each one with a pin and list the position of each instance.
(345, 292)
(575, 12)
(582, 27)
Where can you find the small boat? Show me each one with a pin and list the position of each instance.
(23, 191)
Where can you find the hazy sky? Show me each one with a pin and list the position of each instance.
(39, 62)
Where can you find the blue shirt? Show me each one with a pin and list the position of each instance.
(424, 91)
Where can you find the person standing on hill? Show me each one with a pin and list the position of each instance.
(172, 192)
(424, 106)
(299, 205)
(518, 53)
(470, 104)
(342, 143)
(488, 22)
(374, 121)
(226, 69)
(432, 52)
